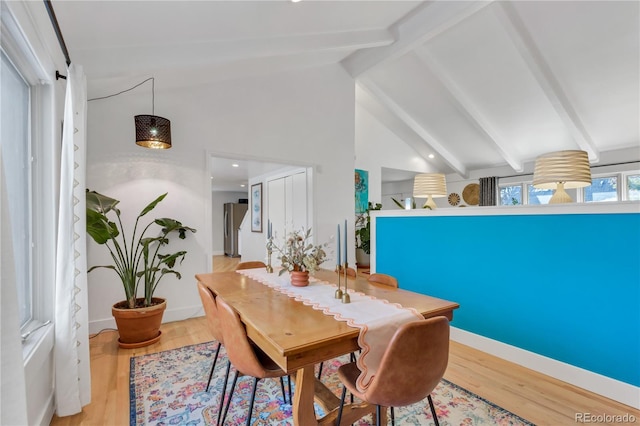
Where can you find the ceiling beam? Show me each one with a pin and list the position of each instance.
(386, 101)
(184, 55)
(468, 108)
(422, 24)
(542, 72)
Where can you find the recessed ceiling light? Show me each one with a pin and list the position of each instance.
(432, 156)
(242, 185)
(295, 1)
(235, 165)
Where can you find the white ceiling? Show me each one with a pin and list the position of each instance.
(481, 84)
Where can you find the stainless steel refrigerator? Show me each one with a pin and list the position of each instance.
(233, 215)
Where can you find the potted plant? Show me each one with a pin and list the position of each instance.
(300, 257)
(137, 261)
(363, 235)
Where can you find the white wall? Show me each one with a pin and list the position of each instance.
(300, 117)
(377, 147)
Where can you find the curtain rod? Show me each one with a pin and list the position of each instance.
(56, 28)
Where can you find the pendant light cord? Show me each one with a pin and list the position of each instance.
(153, 93)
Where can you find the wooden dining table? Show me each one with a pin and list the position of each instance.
(297, 337)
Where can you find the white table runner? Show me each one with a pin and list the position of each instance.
(377, 319)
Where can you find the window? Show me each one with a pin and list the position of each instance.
(602, 189)
(511, 195)
(16, 157)
(28, 144)
(539, 196)
(633, 187)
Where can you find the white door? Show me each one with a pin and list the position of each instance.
(288, 204)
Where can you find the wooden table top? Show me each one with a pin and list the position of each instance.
(295, 335)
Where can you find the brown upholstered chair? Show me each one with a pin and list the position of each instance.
(247, 358)
(350, 271)
(251, 264)
(383, 279)
(410, 369)
(211, 312)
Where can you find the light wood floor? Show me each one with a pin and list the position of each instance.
(533, 396)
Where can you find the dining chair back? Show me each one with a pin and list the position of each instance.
(411, 367)
(247, 358)
(350, 271)
(211, 312)
(251, 264)
(383, 279)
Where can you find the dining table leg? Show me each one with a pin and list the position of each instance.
(303, 412)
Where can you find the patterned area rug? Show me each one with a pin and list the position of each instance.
(168, 388)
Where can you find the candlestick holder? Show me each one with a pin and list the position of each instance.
(269, 251)
(338, 294)
(345, 294)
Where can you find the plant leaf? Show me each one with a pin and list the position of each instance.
(152, 205)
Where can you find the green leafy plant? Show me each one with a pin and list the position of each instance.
(136, 257)
(298, 254)
(363, 228)
(413, 204)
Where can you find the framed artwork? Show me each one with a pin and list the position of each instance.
(256, 207)
(362, 190)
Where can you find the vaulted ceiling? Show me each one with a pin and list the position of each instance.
(479, 84)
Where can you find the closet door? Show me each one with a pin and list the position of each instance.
(297, 202)
(287, 209)
(276, 212)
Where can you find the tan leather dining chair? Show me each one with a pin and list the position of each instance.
(211, 312)
(247, 358)
(383, 279)
(350, 271)
(410, 369)
(251, 264)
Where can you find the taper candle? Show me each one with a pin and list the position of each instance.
(345, 241)
(338, 246)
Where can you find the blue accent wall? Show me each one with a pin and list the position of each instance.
(566, 286)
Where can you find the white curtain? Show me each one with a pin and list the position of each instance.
(73, 373)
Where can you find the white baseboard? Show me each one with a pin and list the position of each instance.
(614, 389)
(170, 315)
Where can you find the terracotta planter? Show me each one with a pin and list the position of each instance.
(300, 278)
(140, 326)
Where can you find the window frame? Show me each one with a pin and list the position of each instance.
(617, 176)
(625, 181)
(44, 154)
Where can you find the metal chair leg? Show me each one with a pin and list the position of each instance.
(233, 386)
(433, 410)
(290, 392)
(213, 367)
(224, 390)
(284, 395)
(393, 417)
(253, 398)
(378, 414)
(320, 370)
(344, 393)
